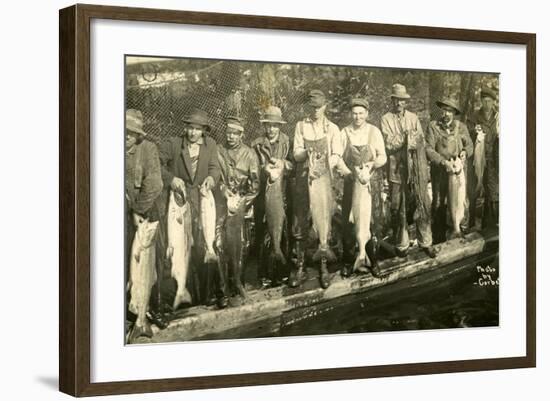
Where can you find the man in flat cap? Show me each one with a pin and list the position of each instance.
(447, 139)
(190, 165)
(314, 135)
(143, 185)
(484, 131)
(273, 150)
(240, 185)
(408, 174)
(364, 154)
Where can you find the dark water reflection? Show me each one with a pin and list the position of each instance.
(468, 297)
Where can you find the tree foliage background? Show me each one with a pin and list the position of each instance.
(166, 90)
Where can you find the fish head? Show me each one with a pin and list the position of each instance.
(234, 203)
(457, 165)
(146, 231)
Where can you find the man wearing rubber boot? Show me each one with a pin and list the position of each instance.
(239, 186)
(408, 174)
(364, 154)
(317, 149)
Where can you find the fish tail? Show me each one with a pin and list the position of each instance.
(277, 255)
(324, 253)
(359, 262)
(182, 297)
(210, 256)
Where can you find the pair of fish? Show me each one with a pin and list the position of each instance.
(143, 275)
(180, 238)
(457, 195)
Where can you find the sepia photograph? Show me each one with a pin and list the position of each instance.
(267, 199)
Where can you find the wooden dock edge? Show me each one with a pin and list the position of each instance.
(271, 303)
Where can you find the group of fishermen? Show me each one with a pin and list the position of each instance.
(261, 177)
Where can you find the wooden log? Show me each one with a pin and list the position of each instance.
(270, 308)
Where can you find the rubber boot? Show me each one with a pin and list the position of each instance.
(371, 248)
(324, 275)
(297, 274)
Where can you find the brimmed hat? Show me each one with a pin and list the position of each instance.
(198, 116)
(449, 103)
(356, 101)
(488, 92)
(316, 98)
(134, 121)
(273, 115)
(235, 123)
(399, 91)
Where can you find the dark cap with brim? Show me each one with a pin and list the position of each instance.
(235, 123)
(359, 102)
(316, 98)
(199, 117)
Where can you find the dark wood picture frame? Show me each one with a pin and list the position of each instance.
(74, 199)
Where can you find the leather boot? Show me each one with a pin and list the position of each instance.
(371, 248)
(297, 274)
(324, 274)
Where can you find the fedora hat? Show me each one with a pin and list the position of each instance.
(235, 123)
(399, 91)
(447, 102)
(488, 92)
(356, 101)
(134, 121)
(199, 117)
(316, 98)
(273, 115)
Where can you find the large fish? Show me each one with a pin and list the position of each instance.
(142, 275)
(479, 159)
(275, 207)
(320, 198)
(360, 215)
(208, 223)
(457, 195)
(234, 238)
(180, 240)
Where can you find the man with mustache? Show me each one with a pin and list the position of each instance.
(407, 173)
(484, 130)
(447, 138)
(143, 185)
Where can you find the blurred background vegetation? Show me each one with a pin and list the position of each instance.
(166, 90)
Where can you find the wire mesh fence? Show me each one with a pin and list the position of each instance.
(166, 90)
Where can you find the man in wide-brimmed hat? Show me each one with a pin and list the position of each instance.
(484, 131)
(143, 185)
(239, 186)
(364, 154)
(191, 165)
(408, 174)
(447, 138)
(316, 139)
(273, 150)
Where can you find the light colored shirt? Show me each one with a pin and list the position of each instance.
(313, 131)
(369, 135)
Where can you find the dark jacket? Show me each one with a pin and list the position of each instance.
(143, 182)
(176, 162)
(442, 143)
